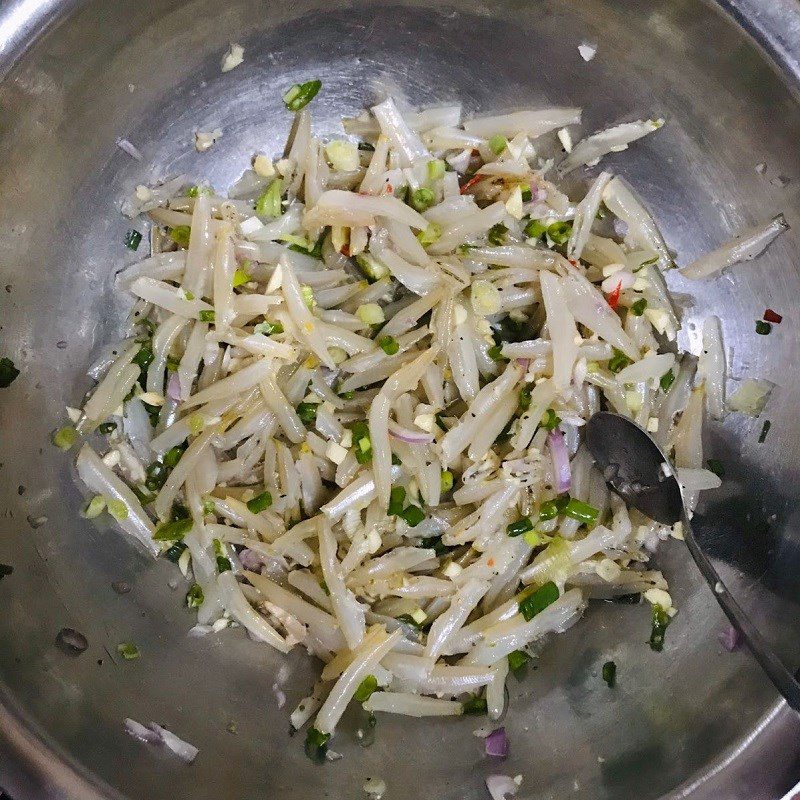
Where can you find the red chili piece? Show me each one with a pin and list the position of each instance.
(772, 316)
(613, 298)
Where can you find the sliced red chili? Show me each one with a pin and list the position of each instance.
(772, 316)
(471, 182)
(613, 298)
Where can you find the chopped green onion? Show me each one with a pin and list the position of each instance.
(764, 431)
(132, 239)
(436, 169)
(308, 296)
(173, 364)
(763, 328)
(117, 509)
(156, 476)
(195, 596)
(496, 352)
(550, 420)
(413, 515)
(223, 562)
(193, 191)
(497, 144)
(610, 673)
(317, 745)
(365, 689)
(174, 552)
(180, 235)
(209, 506)
(362, 442)
(269, 204)
(422, 199)
(637, 308)
(522, 525)
(559, 232)
(172, 457)
(389, 345)
(300, 95)
(107, 427)
(666, 380)
(533, 539)
(717, 467)
(268, 328)
(128, 650)
(524, 398)
(207, 316)
(446, 481)
(538, 601)
(64, 438)
(660, 622)
(430, 235)
(396, 499)
(517, 659)
(497, 234)
(371, 314)
(618, 361)
(95, 507)
(144, 357)
(583, 512)
(474, 706)
(535, 229)
(550, 509)
(240, 277)
(259, 503)
(173, 531)
(527, 194)
(307, 413)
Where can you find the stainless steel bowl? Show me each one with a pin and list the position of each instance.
(693, 721)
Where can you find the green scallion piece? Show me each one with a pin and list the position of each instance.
(365, 689)
(495, 352)
(389, 345)
(307, 294)
(475, 706)
(307, 413)
(520, 526)
(180, 235)
(496, 235)
(524, 398)
(133, 239)
(538, 601)
(430, 235)
(559, 232)
(660, 622)
(436, 169)
(269, 204)
(535, 229)
(583, 512)
(517, 659)
(446, 481)
(362, 442)
(207, 316)
(117, 509)
(317, 745)
(64, 438)
(637, 308)
(268, 328)
(301, 94)
(173, 456)
(618, 361)
(259, 503)
(550, 420)
(422, 199)
(174, 552)
(195, 596)
(396, 499)
(240, 278)
(144, 357)
(763, 328)
(527, 194)
(497, 144)
(413, 515)
(173, 531)
(666, 380)
(610, 673)
(128, 650)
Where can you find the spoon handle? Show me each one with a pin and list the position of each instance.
(782, 679)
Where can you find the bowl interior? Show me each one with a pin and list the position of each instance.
(151, 73)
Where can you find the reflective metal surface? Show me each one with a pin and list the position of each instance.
(693, 721)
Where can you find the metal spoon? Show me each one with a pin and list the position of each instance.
(638, 471)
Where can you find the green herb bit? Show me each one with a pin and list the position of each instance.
(422, 199)
(537, 602)
(173, 456)
(195, 596)
(666, 380)
(389, 345)
(209, 506)
(155, 476)
(413, 515)
(436, 169)
(307, 413)
(144, 357)
(268, 328)
(434, 543)
(430, 235)
(365, 689)
(132, 239)
(173, 531)
(496, 235)
(207, 316)
(535, 229)
(522, 525)
(174, 552)
(637, 308)
(610, 673)
(527, 194)
(717, 467)
(495, 352)
(550, 509)
(107, 427)
(517, 660)
(259, 503)
(497, 144)
(173, 364)
(95, 507)
(317, 745)
(307, 294)
(763, 328)
(128, 650)
(362, 442)
(559, 232)
(445, 481)
(180, 235)
(269, 204)
(764, 431)
(397, 498)
(524, 398)
(64, 438)
(474, 706)
(550, 420)
(618, 361)
(240, 278)
(660, 622)
(583, 512)
(301, 94)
